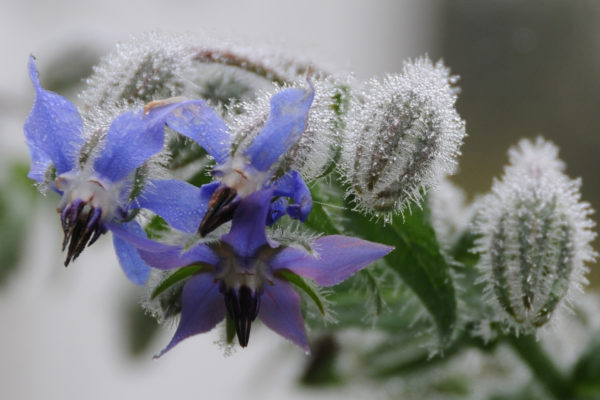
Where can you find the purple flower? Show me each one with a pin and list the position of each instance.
(97, 185)
(242, 274)
(246, 170)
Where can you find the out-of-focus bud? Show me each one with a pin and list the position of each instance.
(403, 136)
(450, 213)
(146, 67)
(535, 237)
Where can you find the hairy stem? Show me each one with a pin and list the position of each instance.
(532, 353)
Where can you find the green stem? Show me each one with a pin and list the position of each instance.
(532, 353)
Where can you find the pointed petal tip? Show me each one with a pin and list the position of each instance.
(33, 72)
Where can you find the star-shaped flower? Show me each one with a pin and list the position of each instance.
(97, 184)
(247, 169)
(243, 274)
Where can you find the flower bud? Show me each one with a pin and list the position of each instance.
(403, 136)
(314, 151)
(535, 237)
(145, 68)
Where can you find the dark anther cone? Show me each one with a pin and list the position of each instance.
(242, 305)
(220, 209)
(82, 226)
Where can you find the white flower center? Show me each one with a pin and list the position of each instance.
(238, 174)
(89, 189)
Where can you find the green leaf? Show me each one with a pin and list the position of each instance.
(141, 328)
(17, 196)
(327, 209)
(586, 373)
(301, 283)
(416, 259)
(179, 275)
(156, 227)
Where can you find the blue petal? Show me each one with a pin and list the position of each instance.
(134, 267)
(53, 129)
(280, 310)
(276, 210)
(39, 164)
(292, 185)
(169, 257)
(203, 307)
(132, 139)
(247, 232)
(337, 258)
(199, 122)
(181, 204)
(160, 255)
(285, 125)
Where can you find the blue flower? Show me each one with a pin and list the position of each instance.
(246, 170)
(241, 274)
(97, 185)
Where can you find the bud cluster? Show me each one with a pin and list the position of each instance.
(535, 237)
(403, 136)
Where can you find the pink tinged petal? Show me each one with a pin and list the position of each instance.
(337, 258)
(169, 257)
(133, 234)
(203, 307)
(247, 232)
(196, 120)
(53, 129)
(160, 255)
(280, 310)
(181, 204)
(285, 125)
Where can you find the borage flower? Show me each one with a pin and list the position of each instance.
(247, 169)
(244, 274)
(97, 184)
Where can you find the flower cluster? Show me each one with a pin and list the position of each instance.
(105, 181)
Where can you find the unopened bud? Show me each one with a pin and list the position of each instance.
(145, 68)
(403, 136)
(314, 151)
(535, 237)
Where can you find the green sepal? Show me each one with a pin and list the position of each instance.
(229, 330)
(586, 372)
(301, 283)
(156, 227)
(179, 275)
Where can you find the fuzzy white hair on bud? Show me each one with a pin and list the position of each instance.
(535, 238)
(403, 136)
(314, 151)
(450, 214)
(147, 67)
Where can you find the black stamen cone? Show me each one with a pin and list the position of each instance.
(220, 209)
(82, 226)
(242, 305)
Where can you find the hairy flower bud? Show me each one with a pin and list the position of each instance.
(145, 68)
(313, 152)
(403, 136)
(535, 237)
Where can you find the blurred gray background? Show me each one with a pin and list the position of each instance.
(527, 68)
